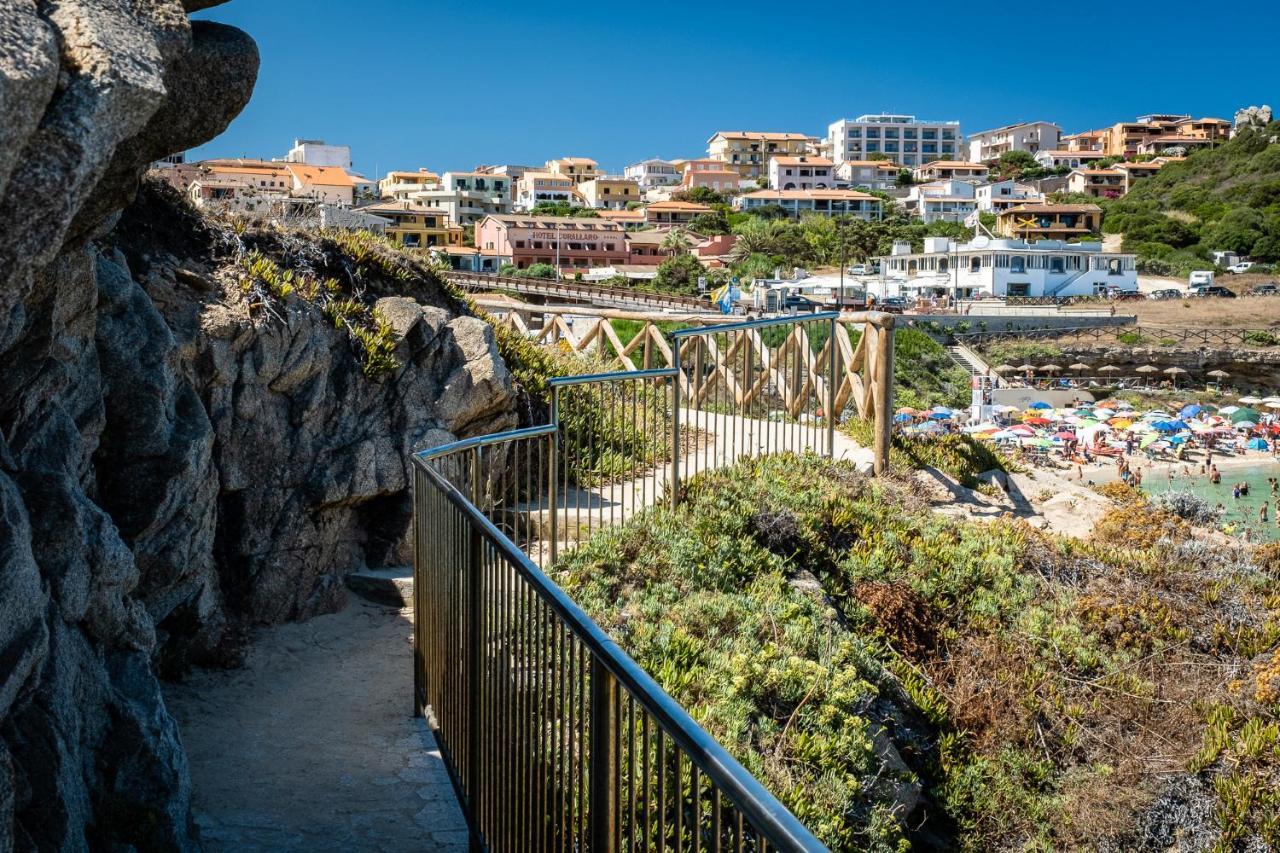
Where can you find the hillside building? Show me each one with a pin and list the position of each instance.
(904, 139)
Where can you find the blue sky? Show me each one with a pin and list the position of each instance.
(449, 85)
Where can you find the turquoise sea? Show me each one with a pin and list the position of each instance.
(1243, 511)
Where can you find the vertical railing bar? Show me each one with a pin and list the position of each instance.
(603, 772)
(583, 747)
(554, 452)
(675, 425)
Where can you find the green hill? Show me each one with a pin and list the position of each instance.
(1222, 199)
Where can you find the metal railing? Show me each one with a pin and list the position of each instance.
(554, 737)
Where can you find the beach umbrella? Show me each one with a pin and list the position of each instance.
(1147, 368)
(1177, 439)
(1108, 368)
(1228, 410)
(1065, 436)
(1241, 415)
(1174, 371)
(1191, 410)
(1027, 368)
(1250, 400)
(1169, 426)
(1003, 435)
(907, 411)
(1022, 430)
(1037, 421)
(940, 416)
(1273, 405)
(1219, 374)
(1245, 425)
(1004, 368)
(1120, 423)
(1050, 368)
(1040, 404)
(1148, 440)
(1271, 399)
(1079, 365)
(901, 418)
(1257, 444)
(1141, 426)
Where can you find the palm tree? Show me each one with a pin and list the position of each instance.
(676, 242)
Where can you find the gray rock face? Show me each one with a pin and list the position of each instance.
(170, 469)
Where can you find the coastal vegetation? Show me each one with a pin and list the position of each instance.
(1222, 199)
(903, 679)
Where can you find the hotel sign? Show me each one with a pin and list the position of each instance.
(572, 236)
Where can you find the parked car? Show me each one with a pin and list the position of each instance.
(1168, 293)
(1268, 289)
(858, 269)
(1217, 292)
(1123, 295)
(1242, 267)
(893, 304)
(1201, 278)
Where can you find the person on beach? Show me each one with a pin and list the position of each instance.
(1235, 491)
(1214, 476)
(1262, 513)
(1244, 488)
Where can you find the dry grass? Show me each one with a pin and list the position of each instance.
(1245, 312)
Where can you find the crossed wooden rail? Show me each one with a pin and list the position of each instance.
(743, 366)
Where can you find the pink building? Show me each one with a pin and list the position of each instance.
(577, 244)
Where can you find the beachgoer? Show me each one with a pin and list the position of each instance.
(1235, 491)
(1262, 513)
(1214, 476)
(1244, 488)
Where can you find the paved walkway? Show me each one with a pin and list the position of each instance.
(311, 745)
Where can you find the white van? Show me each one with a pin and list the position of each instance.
(1201, 278)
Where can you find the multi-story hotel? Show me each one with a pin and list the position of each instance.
(568, 242)
(1071, 159)
(748, 151)
(904, 139)
(1031, 136)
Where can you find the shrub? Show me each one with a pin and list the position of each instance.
(1188, 506)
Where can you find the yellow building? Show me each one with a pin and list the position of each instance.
(748, 151)
(609, 192)
(576, 169)
(1049, 221)
(401, 185)
(416, 225)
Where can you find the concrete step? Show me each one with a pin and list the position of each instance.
(392, 587)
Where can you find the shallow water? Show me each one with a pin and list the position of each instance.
(1243, 511)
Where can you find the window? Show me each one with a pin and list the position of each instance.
(1018, 264)
(519, 244)
(975, 264)
(1057, 265)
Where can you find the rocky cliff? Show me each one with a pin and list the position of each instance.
(179, 455)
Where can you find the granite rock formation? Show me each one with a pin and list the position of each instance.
(170, 468)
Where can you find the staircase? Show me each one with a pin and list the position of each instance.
(1065, 283)
(972, 363)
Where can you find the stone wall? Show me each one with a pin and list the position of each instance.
(171, 467)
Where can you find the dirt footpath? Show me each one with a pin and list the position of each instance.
(311, 745)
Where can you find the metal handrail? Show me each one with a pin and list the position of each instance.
(755, 324)
(765, 813)
(484, 441)
(588, 378)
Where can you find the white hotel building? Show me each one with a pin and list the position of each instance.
(902, 138)
(1004, 267)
